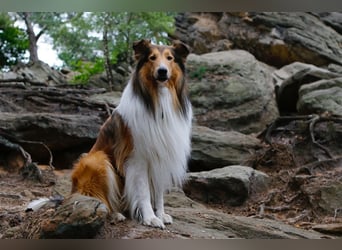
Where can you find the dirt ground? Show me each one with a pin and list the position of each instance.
(295, 165)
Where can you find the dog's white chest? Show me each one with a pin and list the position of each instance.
(162, 141)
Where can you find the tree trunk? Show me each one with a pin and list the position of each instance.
(33, 48)
(108, 66)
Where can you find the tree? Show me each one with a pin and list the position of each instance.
(93, 42)
(32, 37)
(46, 23)
(105, 38)
(106, 53)
(13, 42)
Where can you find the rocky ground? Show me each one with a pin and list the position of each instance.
(278, 197)
(280, 212)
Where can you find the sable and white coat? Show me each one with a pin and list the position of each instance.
(147, 138)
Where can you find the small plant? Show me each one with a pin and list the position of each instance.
(199, 72)
(86, 70)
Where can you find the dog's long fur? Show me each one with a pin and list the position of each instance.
(142, 149)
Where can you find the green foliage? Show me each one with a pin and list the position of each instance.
(13, 42)
(199, 72)
(127, 27)
(87, 69)
(82, 37)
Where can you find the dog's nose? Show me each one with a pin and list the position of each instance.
(162, 73)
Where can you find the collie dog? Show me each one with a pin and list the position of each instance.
(143, 148)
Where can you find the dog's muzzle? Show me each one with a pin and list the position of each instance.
(162, 74)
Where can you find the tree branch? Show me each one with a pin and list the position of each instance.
(41, 32)
(313, 121)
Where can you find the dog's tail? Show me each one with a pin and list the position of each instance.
(93, 175)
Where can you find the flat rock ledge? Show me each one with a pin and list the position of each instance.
(85, 217)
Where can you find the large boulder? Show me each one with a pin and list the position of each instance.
(321, 96)
(332, 19)
(78, 217)
(38, 73)
(277, 38)
(230, 185)
(47, 136)
(196, 221)
(311, 85)
(201, 31)
(325, 194)
(215, 149)
(51, 123)
(231, 90)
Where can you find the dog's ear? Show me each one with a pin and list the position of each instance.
(181, 49)
(141, 48)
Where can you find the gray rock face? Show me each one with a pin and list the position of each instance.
(277, 38)
(230, 185)
(231, 90)
(332, 19)
(215, 149)
(321, 96)
(79, 217)
(101, 81)
(112, 97)
(39, 72)
(193, 220)
(327, 197)
(307, 89)
(57, 131)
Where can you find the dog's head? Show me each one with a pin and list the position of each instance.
(160, 63)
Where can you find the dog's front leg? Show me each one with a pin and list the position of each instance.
(159, 206)
(138, 194)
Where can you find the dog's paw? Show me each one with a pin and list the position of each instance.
(154, 222)
(167, 219)
(117, 217)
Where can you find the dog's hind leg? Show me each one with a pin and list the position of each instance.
(138, 194)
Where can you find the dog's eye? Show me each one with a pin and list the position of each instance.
(153, 58)
(169, 58)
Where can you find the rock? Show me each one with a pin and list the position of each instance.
(289, 79)
(100, 80)
(230, 90)
(193, 220)
(203, 29)
(31, 172)
(276, 38)
(40, 119)
(321, 96)
(78, 133)
(27, 193)
(78, 217)
(10, 196)
(335, 228)
(230, 185)
(335, 68)
(39, 72)
(11, 233)
(325, 194)
(215, 149)
(112, 97)
(331, 196)
(63, 184)
(332, 19)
